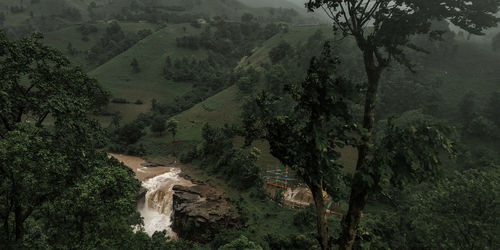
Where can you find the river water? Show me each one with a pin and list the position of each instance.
(159, 181)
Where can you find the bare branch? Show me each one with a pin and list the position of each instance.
(41, 119)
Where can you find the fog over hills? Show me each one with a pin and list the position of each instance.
(297, 5)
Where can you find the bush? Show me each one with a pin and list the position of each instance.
(277, 241)
(244, 85)
(144, 33)
(136, 150)
(189, 156)
(257, 192)
(158, 125)
(87, 29)
(224, 237)
(129, 133)
(305, 218)
(139, 102)
(281, 51)
(195, 24)
(241, 243)
(239, 168)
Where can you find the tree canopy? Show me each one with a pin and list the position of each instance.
(462, 212)
(57, 188)
(382, 27)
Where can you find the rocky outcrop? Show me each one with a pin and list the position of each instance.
(200, 211)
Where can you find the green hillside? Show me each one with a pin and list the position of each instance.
(294, 36)
(117, 76)
(224, 107)
(217, 110)
(60, 39)
(46, 12)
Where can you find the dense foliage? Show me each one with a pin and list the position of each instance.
(59, 190)
(218, 155)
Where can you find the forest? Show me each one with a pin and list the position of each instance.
(238, 124)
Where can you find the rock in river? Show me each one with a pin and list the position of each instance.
(201, 211)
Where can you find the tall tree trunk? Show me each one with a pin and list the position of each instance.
(323, 236)
(19, 220)
(6, 225)
(359, 189)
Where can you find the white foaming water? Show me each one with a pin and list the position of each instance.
(158, 203)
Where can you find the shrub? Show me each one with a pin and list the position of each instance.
(281, 51)
(305, 218)
(158, 125)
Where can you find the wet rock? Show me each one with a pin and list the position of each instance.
(151, 164)
(140, 197)
(200, 212)
(188, 177)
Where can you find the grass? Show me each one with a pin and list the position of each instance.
(217, 110)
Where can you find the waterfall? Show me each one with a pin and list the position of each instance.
(158, 203)
(157, 209)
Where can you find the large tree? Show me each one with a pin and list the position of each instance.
(383, 30)
(57, 188)
(309, 136)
